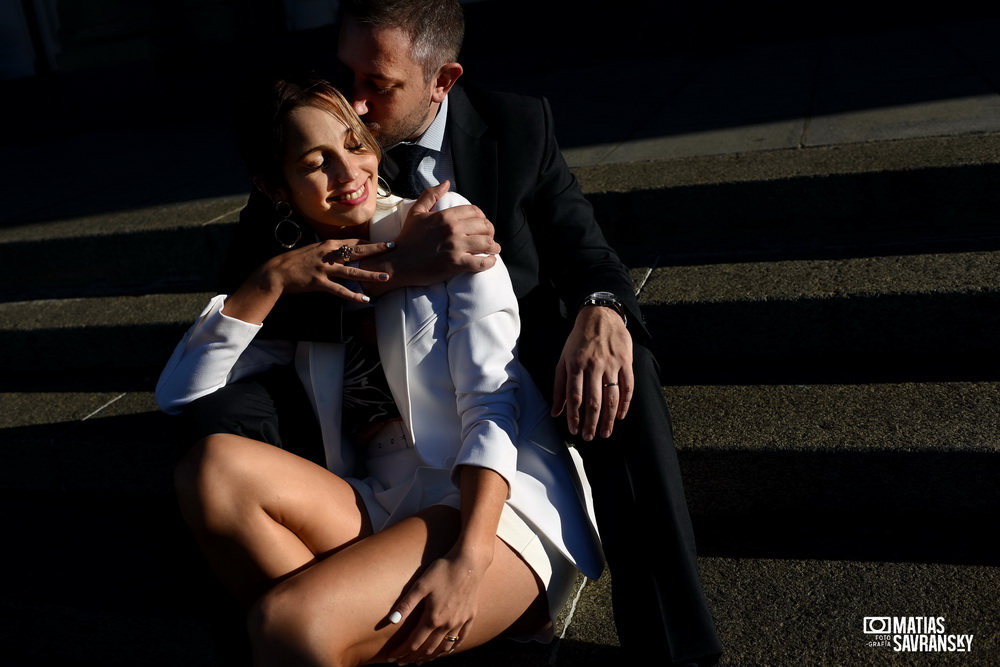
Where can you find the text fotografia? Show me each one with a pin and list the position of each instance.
(921, 634)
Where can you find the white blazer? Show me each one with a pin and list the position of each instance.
(449, 355)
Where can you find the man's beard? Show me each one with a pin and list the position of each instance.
(387, 137)
(376, 131)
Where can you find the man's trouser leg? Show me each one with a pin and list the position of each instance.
(660, 607)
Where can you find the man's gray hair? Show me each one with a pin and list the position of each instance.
(436, 27)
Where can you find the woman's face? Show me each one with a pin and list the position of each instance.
(331, 179)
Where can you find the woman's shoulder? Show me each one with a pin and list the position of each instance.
(392, 211)
(396, 205)
(450, 199)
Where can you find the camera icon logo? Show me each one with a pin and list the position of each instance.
(877, 625)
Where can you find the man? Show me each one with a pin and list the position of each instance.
(582, 332)
(499, 151)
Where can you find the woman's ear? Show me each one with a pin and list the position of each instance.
(272, 193)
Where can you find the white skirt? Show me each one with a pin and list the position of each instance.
(399, 484)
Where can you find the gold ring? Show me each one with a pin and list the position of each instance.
(451, 639)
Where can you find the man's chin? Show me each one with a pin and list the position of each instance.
(376, 131)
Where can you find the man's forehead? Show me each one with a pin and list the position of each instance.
(379, 49)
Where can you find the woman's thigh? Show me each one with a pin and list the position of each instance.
(262, 513)
(336, 611)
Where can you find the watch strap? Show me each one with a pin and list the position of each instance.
(608, 300)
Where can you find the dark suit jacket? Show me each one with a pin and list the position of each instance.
(507, 162)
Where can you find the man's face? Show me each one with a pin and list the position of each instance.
(388, 90)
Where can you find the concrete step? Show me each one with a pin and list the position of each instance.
(144, 251)
(130, 335)
(885, 318)
(773, 611)
(881, 318)
(862, 472)
(906, 196)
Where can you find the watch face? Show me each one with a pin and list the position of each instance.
(604, 295)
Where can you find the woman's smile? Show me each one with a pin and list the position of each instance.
(353, 198)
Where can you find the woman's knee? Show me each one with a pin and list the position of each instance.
(291, 626)
(210, 474)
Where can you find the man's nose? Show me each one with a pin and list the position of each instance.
(360, 106)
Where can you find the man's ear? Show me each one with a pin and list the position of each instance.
(446, 77)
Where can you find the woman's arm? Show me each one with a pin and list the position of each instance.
(449, 587)
(217, 349)
(483, 494)
(483, 328)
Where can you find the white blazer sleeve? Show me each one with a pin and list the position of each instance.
(483, 327)
(215, 351)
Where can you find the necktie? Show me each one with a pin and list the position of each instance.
(407, 157)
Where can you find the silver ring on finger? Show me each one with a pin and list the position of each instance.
(610, 384)
(344, 252)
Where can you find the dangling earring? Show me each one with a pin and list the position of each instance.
(282, 233)
(383, 187)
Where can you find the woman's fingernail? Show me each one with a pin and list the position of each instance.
(383, 276)
(390, 245)
(395, 617)
(365, 298)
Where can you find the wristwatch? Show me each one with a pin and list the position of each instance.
(607, 299)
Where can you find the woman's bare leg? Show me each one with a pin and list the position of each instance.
(335, 612)
(260, 513)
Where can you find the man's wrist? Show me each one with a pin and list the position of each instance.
(607, 300)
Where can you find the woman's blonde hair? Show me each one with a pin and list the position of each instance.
(261, 122)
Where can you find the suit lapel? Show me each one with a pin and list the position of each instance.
(474, 153)
(390, 321)
(320, 366)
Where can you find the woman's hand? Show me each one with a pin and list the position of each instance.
(319, 267)
(448, 589)
(449, 592)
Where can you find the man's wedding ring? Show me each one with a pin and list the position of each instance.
(610, 384)
(451, 639)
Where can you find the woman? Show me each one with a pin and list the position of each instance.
(449, 511)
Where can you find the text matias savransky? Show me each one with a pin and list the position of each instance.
(915, 634)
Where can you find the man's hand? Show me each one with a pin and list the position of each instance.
(594, 379)
(436, 245)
